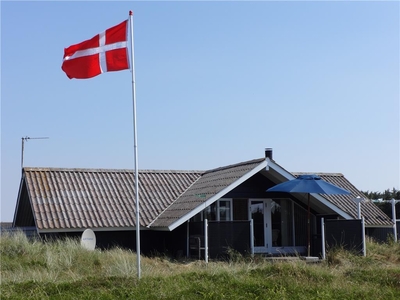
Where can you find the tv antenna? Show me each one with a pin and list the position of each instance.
(22, 149)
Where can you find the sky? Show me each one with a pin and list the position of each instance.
(216, 83)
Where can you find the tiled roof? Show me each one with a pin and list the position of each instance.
(80, 198)
(100, 198)
(210, 183)
(372, 214)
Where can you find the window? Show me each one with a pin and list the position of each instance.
(224, 209)
(220, 210)
(210, 213)
(282, 222)
(197, 218)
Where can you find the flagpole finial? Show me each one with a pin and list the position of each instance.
(130, 13)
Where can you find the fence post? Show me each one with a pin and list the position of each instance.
(394, 218)
(206, 240)
(323, 238)
(252, 237)
(363, 236)
(187, 239)
(358, 200)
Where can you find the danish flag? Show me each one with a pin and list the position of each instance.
(105, 52)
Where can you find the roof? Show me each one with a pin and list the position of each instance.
(202, 192)
(79, 198)
(372, 214)
(5, 225)
(103, 198)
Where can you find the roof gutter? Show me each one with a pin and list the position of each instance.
(95, 229)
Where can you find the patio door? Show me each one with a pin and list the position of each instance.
(260, 213)
(273, 225)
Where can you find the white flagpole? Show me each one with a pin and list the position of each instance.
(135, 149)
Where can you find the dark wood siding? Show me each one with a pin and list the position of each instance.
(344, 233)
(24, 215)
(383, 235)
(171, 243)
(254, 187)
(222, 237)
(240, 209)
(226, 236)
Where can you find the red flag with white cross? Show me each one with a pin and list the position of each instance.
(105, 52)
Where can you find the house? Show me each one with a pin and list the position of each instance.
(174, 205)
(5, 226)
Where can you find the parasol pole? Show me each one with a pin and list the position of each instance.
(308, 227)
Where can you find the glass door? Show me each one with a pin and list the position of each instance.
(282, 227)
(273, 224)
(258, 212)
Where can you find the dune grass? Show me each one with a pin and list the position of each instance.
(64, 270)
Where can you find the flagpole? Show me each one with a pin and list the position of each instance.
(135, 150)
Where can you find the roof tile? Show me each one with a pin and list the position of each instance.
(101, 198)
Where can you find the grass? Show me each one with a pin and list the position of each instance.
(64, 270)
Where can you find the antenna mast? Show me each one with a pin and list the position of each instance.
(22, 148)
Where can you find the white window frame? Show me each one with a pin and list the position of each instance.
(218, 218)
(230, 209)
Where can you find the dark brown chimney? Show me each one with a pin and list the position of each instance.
(268, 153)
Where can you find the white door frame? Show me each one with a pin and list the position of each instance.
(266, 205)
(268, 248)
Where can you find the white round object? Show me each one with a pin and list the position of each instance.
(88, 239)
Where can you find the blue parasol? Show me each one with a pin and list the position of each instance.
(308, 184)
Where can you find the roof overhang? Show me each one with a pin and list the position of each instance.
(378, 226)
(95, 229)
(282, 174)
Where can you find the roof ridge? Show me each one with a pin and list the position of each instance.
(318, 173)
(235, 165)
(105, 170)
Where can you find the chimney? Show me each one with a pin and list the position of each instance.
(268, 153)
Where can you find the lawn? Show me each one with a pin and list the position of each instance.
(64, 270)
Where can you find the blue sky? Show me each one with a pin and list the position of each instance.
(216, 83)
